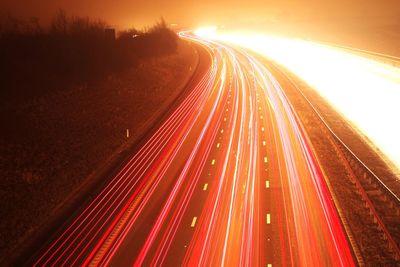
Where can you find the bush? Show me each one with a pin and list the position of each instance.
(72, 51)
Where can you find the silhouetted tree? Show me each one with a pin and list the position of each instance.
(73, 50)
(59, 24)
(34, 26)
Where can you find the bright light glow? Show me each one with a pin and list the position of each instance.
(208, 32)
(365, 91)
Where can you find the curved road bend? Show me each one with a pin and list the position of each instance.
(229, 178)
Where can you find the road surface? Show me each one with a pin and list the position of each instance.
(229, 178)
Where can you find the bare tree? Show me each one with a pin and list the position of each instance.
(59, 24)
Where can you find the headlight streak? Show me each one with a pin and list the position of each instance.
(316, 178)
(365, 91)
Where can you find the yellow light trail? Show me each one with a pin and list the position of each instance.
(366, 92)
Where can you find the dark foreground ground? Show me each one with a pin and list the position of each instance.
(55, 146)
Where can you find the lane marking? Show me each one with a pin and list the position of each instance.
(213, 162)
(227, 110)
(269, 265)
(261, 117)
(267, 184)
(259, 108)
(225, 119)
(205, 187)
(265, 159)
(268, 218)
(222, 131)
(193, 222)
(218, 145)
(262, 129)
(264, 143)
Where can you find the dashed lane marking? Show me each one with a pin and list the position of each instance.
(193, 222)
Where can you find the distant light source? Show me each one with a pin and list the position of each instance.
(209, 32)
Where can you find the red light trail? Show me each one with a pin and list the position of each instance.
(229, 178)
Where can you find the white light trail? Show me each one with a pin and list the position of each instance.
(365, 91)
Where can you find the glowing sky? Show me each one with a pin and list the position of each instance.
(122, 13)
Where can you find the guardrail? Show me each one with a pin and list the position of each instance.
(380, 57)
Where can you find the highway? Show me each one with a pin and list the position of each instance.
(228, 179)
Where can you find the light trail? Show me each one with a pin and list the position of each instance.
(228, 179)
(365, 91)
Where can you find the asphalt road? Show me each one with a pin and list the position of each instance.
(229, 178)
